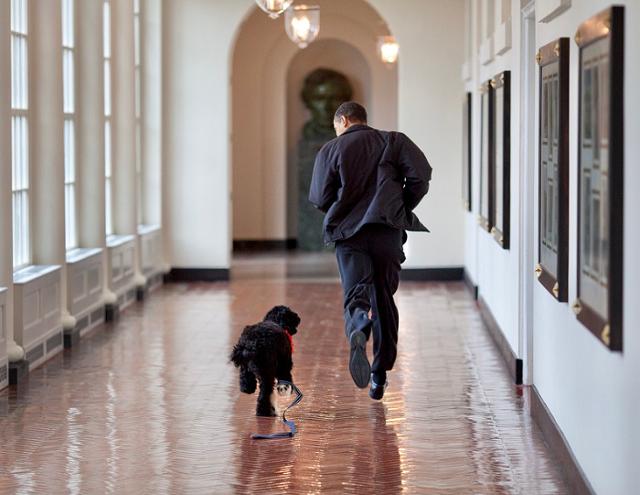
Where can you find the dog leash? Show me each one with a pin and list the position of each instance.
(290, 424)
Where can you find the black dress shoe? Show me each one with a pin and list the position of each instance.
(376, 392)
(358, 363)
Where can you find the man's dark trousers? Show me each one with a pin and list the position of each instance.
(369, 263)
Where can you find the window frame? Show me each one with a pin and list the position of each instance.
(69, 81)
(20, 179)
(107, 113)
(138, 106)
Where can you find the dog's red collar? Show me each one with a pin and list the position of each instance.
(290, 337)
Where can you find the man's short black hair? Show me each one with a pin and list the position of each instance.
(352, 111)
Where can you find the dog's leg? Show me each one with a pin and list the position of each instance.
(283, 370)
(265, 407)
(247, 381)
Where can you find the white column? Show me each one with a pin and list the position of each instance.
(90, 124)
(151, 30)
(124, 144)
(125, 218)
(46, 133)
(6, 225)
(46, 144)
(90, 138)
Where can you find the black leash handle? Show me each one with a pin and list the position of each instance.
(290, 424)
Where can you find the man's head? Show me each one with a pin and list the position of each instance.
(348, 114)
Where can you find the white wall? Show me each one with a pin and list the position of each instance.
(593, 394)
(198, 41)
(430, 33)
(494, 269)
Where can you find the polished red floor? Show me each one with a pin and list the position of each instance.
(150, 405)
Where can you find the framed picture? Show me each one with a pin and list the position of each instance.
(600, 176)
(466, 152)
(485, 218)
(501, 139)
(553, 169)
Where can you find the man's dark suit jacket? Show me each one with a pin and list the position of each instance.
(369, 176)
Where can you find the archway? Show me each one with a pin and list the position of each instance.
(341, 57)
(261, 95)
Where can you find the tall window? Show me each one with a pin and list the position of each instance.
(138, 106)
(68, 81)
(107, 117)
(20, 133)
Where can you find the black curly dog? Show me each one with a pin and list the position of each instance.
(263, 354)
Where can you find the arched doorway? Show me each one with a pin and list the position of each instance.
(266, 66)
(303, 221)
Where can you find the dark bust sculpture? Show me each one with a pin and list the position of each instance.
(323, 92)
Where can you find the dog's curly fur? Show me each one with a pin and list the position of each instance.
(263, 354)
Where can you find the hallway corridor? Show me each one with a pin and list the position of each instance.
(151, 405)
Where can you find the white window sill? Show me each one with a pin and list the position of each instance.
(79, 254)
(148, 229)
(33, 272)
(118, 240)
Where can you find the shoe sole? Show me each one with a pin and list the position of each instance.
(359, 366)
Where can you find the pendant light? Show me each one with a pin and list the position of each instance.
(302, 23)
(388, 49)
(274, 7)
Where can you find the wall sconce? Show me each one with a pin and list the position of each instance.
(388, 49)
(302, 23)
(274, 7)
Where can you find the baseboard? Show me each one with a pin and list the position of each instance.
(111, 312)
(18, 372)
(198, 275)
(254, 245)
(514, 364)
(126, 298)
(4, 374)
(141, 293)
(154, 282)
(71, 337)
(446, 274)
(473, 288)
(558, 445)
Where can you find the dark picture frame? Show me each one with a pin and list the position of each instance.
(501, 137)
(467, 151)
(599, 303)
(552, 269)
(485, 210)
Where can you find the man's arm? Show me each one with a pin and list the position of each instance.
(416, 171)
(325, 182)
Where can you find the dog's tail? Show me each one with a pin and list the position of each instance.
(241, 355)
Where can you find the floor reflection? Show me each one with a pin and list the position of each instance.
(151, 405)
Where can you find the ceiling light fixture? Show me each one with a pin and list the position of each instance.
(274, 7)
(302, 23)
(388, 49)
